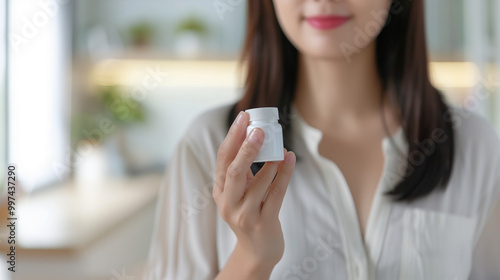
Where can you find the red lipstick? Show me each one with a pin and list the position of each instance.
(326, 22)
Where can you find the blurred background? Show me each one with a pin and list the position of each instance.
(95, 94)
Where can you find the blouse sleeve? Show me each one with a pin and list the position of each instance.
(183, 244)
(486, 256)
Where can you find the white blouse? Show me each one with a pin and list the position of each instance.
(448, 235)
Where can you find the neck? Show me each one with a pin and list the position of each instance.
(338, 91)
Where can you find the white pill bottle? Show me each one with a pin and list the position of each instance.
(267, 118)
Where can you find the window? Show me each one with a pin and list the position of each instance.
(3, 89)
(38, 91)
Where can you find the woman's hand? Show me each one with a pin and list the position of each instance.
(251, 204)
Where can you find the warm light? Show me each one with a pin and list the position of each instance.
(178, 73)
(213, 73)
(454, 74)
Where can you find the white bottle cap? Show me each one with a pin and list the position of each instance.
(264, 114)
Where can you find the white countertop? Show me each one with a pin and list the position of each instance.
(70, 216)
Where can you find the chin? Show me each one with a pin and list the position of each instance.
(325, 49)
(339, 57)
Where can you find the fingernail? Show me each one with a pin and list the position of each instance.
(289, 157)
(239, 119)
(254, 136)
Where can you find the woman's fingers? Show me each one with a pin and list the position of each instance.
(237, 171)
(235, 182)
(277, 190)
(260, 184)
(229, 148)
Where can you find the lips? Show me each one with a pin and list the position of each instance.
(327, 22)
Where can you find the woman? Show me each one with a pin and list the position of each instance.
(385, 181)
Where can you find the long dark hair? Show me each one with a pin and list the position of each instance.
(401, 51)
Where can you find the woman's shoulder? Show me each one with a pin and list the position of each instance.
(210, 122)
(208, 129)
(474, 133)
(477, 150)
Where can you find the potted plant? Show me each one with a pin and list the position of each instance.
(141, 34)
(110, 114)
(189, 35)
